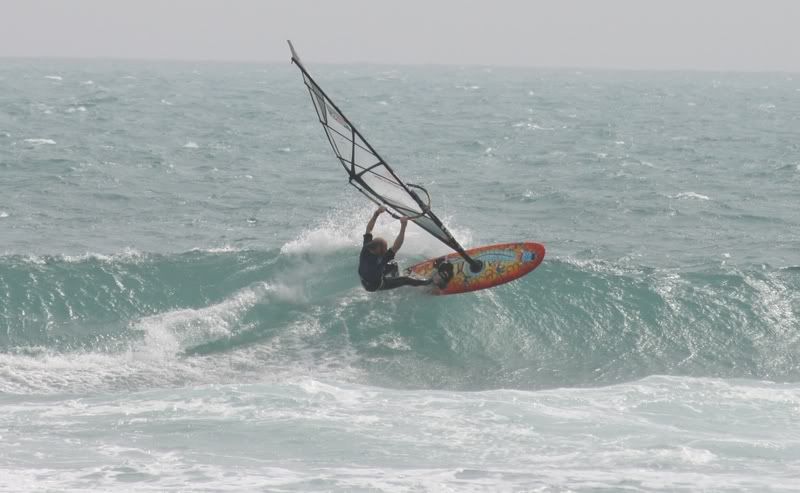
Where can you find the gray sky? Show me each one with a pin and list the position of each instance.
(639, 34)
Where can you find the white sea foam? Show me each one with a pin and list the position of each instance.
(3, 214)
(127, 255)
(775, 304)
(222, 249)
(343, 230)
(531, 126)
(320, 240)
(670, 285)
(176, 330)
(391, 341)
(191, 145)
(53, 77)
(602, 266)
(40, 141)
(496, 440)
(690, 196)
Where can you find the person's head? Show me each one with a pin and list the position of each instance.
(377, 246)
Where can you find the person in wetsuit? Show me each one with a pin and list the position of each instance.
(376, 267)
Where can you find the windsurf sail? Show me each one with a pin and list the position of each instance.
(369, 172)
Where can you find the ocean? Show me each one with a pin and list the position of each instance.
(181, 309)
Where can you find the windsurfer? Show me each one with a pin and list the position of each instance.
(377, 268)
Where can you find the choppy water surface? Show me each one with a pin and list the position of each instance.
(180, 305)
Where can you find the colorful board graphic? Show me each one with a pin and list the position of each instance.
(501, 264)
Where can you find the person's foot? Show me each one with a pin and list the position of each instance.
(444, 273)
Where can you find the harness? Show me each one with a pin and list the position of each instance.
(391, 269)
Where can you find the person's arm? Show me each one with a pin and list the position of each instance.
(371, 223)
(398, 242)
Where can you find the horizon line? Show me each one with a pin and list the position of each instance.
(244, 61)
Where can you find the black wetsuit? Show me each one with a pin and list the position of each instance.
(378, 272)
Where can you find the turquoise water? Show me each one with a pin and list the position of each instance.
(181, 312)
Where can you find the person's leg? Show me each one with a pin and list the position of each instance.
(369, 287)
(391, 270)
(396, 282)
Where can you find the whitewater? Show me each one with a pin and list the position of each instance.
(180, 309)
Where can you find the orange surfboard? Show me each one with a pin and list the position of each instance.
(501, 263)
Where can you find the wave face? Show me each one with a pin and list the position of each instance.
(591, 323)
